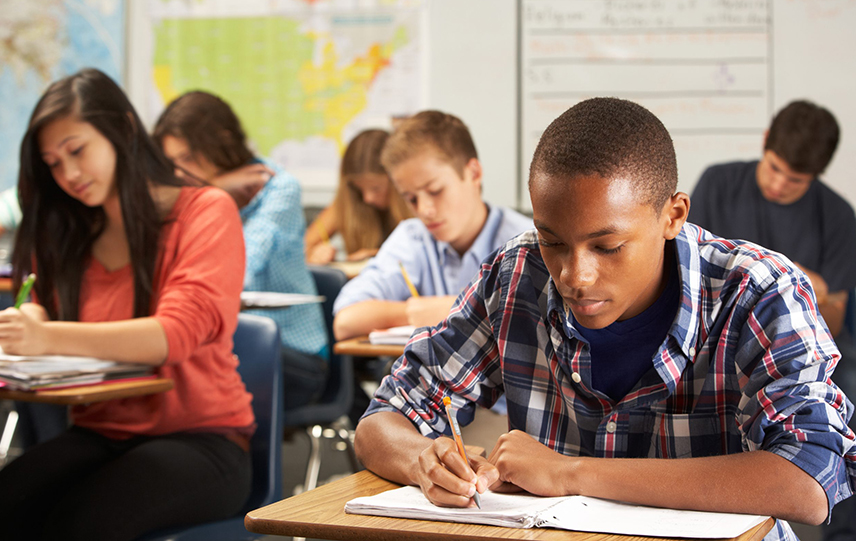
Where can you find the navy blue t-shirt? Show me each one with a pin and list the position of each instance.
(622, 352)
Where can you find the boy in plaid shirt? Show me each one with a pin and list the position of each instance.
(618, 330)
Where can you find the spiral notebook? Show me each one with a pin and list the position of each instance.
(580, 513)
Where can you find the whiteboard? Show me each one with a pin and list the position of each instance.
(714, 72)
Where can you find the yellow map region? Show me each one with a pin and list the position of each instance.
(268, 71)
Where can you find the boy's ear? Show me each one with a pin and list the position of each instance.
(675, 213)
(473, 169)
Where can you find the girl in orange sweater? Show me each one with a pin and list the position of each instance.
(136, 267)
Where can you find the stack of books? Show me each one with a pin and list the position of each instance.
(33, 373)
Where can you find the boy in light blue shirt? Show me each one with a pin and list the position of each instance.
(433, 163)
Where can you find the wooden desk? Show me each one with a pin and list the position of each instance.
(361, 347)
(5, 285)
(320, 513)
(91, 393)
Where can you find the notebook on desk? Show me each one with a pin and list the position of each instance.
(580, 513)
(30, 373)
(394, 336)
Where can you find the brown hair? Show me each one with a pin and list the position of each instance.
(209, 126)
(430, 130)
(363, 226)
(805, 136)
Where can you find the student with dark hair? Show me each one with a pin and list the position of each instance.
(203, 137)
(622, 335)
(137, 266)
(780, 203)
(367, 206)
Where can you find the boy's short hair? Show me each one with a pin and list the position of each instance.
(209, 126)
(443, 133)
(805, 135)
(611, 138)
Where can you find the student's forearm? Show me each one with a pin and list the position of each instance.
(756, 482)
(833, 310)
(140, 340)
(327, 220)
(389, 445)
(363, 317)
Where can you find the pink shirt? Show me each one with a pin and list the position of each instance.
(198, 281)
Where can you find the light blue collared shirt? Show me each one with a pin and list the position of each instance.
(434, 267)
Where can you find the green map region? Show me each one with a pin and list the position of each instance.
(282, 82)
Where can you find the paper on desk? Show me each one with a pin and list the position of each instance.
(51, 361)
(273, 299)
(394, 336)
(579, 513)
(510, 510)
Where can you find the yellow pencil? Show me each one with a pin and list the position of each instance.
(407, 279)
(324, 236)
(459, 441)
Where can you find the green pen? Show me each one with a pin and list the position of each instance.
(25, 290)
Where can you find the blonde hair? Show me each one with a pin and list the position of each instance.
(363, 226)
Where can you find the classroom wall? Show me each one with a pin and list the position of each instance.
(472, 72)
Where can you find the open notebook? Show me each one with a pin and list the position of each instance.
(579, 513)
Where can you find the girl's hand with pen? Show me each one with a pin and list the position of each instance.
(447, 480)
(22, 331)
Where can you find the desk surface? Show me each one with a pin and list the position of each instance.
(91, 393)
(320, 513)
(361, 347)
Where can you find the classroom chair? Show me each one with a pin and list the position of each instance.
(257, 345)
(318, 418)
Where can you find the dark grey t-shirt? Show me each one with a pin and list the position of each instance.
(818, 231)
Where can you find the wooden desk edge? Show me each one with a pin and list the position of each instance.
(91, 393)
(265, 521)
(361, 347)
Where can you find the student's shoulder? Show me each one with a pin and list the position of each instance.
(518, 253)
(731, 260)
(515, 220)
(411, 229)
(281, 181)
(833, 201)
(730, 172)
(195, 201)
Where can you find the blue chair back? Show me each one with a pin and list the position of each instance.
(257, 345)
(338, 395)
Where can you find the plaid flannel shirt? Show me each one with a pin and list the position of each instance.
(746, 365)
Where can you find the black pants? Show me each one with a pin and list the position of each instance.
(82, 485)
(305, 377)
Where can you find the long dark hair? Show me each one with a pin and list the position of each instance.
(57, 231)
